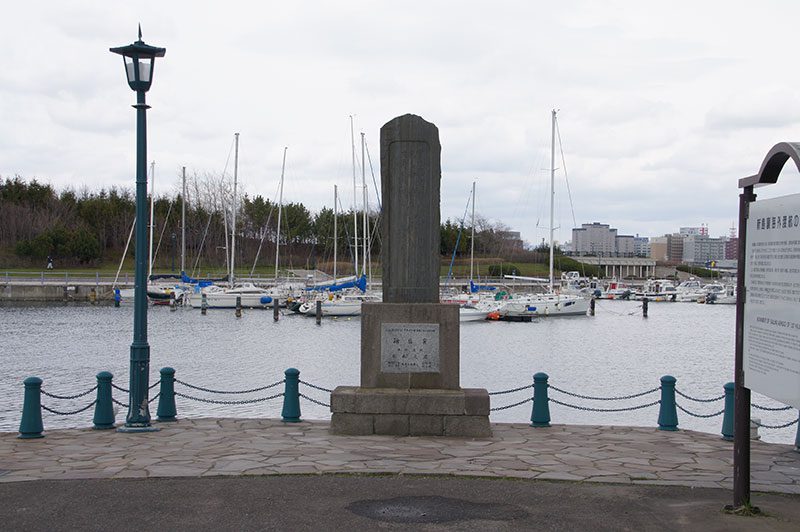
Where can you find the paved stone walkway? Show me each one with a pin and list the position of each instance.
(209, 447)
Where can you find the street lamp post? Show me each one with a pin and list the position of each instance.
(139, 59)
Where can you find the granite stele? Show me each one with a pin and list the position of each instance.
(410, 341)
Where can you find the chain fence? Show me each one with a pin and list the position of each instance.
(120, 388)
(495, 409)
(320, 403)
(591, 398)
(512, 390)
(315, 386)
(240, 402)
(696, 400)
(770, 409)
(76, 396)
(590, 409)
(229, 392)
(765, 426)
(702, 416)
(123, 405)
(71, 413)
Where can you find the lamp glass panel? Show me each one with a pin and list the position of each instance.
(145, 69)
(129, 69)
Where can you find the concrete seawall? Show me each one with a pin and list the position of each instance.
(42, 292)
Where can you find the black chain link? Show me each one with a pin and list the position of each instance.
(693, 414)
(603, 409)
(54, 396)
(589, 397)
(789, 424)
(123, 405)
(120, 388)
(87, 407)
(315, 387)
(696, 400)
(242, 402)
(156, 396)
(320, 403)
(155, 384)
(777, 409)
(512, 390)
(495, 409)
(209, 390)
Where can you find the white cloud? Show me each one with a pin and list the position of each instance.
(663, 107)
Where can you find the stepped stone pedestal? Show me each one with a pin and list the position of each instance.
(410, 342)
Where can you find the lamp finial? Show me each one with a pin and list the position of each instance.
(140, 31)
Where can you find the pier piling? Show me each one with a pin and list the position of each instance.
(645, 301)
(238, 306)
(203, 305)
(104, 407)
(318, 313)
(172, 306)
(591, 306)
(31, 424)
(275, 309)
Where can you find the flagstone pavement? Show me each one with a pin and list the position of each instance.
(214, 447)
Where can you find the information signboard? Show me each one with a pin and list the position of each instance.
(772, 306)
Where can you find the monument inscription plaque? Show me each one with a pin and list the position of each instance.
(410, 347)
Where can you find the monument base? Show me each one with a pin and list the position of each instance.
(410, 412)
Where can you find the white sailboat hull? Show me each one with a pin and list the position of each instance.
(545, 305)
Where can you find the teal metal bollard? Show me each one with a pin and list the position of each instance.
(31, 424)
(668, 413)
(104, 407)
(727, 417)
(167, 411)
(291, 397)
(540, 415)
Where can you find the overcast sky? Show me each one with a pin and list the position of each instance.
(663, 106)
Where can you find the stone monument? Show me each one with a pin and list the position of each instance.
(410, 341)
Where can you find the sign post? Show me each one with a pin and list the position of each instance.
(767, 313)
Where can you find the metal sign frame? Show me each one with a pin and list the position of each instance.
(767, 175)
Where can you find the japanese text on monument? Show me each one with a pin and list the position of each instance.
(772, 313)
(410, 347)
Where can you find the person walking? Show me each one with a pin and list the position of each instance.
(49, 262)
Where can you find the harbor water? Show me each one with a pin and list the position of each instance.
(615, 353)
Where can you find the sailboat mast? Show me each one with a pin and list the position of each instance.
(183, 225)
(552, 189)
(355, 198)
(335, 229)
(280, 209)
(472, 238)
(152, 212)
(233, 215)
(364, 201)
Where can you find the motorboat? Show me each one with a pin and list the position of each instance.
(657, 290)
(690, 290)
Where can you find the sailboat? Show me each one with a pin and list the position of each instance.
(248, 294)
(551, 303)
